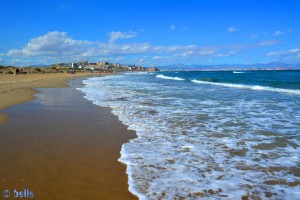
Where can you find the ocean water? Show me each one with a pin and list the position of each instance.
(207, 135)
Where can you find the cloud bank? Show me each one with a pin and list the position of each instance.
(287, 55)
(53, 44)
(59, 46)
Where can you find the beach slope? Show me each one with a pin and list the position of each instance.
(15, 89)
(61, 146)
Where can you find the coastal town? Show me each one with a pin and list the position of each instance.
(74, 67)
(103, 66)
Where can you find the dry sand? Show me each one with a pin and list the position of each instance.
(60, 146)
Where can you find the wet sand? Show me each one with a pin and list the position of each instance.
(61, 146)
(16, 89)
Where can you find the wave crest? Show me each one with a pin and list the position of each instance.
(251, 87)
(170, 78)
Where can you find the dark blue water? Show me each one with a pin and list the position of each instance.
(277, 79)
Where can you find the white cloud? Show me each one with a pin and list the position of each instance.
(268, 43)
(243, 46)
(231, 29)
(60, 47)
(157, 57)
(274, 53)
(294, 50)
(207, 52)
(117, 35)
(197, 52)
(277, 33)
(52, 44)
(113, 49)
(292, 54)
(172, 27)
(141, 60)
(1, 59)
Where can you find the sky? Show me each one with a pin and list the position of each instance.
(149, 32)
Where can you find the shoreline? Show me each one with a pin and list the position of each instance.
(16, 89)
(63, 153)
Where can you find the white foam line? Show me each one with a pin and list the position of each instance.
(251, 87)
(182, 177)
(238, 72)
(129, 172)
(171, 78)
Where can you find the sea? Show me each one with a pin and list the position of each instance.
(207, 134)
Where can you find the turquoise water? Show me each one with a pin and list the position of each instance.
(209, 135)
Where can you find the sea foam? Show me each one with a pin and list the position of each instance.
(200, 142)
(170, 78)
(251, 87)
(237, 72)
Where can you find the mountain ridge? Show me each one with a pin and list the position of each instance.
(256, 66)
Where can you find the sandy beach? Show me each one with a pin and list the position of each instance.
(16, 89)
(59, 145)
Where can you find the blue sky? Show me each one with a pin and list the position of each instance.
(144, 32)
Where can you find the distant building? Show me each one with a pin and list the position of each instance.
(74, 65)
(153, 69)
(104, 66)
